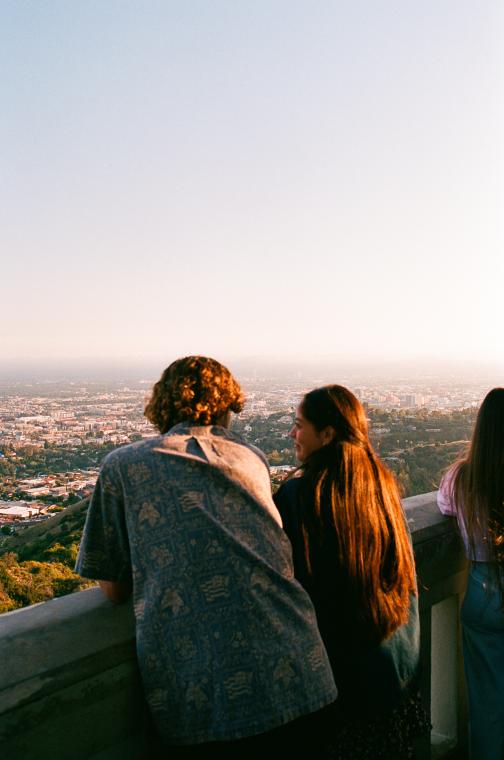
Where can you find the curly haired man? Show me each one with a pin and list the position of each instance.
(227, 641)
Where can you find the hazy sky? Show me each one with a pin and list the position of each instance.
(252, 177)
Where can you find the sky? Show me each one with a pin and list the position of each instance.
(273, 178)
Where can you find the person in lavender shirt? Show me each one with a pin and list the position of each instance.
(473, 491)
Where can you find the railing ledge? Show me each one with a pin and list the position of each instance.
(69, 684)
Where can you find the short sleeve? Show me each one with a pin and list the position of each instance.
(445, 494)
(104, 551)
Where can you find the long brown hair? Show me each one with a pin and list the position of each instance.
(356, 497)
(478, 485)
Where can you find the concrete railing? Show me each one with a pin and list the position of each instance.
(442, 574)
(69, 684)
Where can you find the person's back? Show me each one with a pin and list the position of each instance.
(226, 638)
(371, 675)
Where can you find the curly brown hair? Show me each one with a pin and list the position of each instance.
(195, 389)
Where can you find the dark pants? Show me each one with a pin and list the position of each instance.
(305, 736)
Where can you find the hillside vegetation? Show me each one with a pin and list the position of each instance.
(37, 564)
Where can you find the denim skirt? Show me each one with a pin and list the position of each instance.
(482, 619)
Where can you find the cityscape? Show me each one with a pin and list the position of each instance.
(54, 434)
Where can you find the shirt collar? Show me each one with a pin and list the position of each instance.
(201, 431)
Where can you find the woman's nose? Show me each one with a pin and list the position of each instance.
(292, 432)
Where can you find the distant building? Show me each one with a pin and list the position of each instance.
(17, 510)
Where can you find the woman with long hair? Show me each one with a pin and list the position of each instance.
(352, 553)
(473, 491)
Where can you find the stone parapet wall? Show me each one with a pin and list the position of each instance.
(69, 684)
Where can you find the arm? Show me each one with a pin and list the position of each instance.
(104, 551)
(116, 591)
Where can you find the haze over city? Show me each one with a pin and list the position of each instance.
(300, 182)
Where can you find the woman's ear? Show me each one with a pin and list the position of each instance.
(328, 434)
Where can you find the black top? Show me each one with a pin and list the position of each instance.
(370, 677)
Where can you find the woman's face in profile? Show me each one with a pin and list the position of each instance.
(306, 437)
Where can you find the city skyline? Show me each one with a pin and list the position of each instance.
(276, 180)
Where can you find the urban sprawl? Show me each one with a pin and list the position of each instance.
(93, 415)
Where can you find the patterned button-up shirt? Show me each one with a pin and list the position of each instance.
(227, 640)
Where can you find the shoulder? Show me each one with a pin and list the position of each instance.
(232, 437)
(448, 478)
(260, 454)
(235, 442)
(288, 493)
(445, 496)
(289, 502)
(132, 452)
